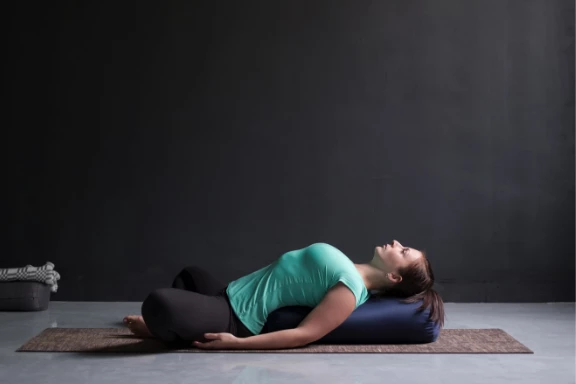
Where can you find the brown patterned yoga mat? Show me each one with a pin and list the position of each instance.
(120, 340)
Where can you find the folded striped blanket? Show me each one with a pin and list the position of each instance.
(44, 274)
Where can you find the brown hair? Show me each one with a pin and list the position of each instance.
(416, 285)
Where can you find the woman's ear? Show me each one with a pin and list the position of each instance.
(394, 277)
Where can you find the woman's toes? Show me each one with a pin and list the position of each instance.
(131, 318)
(139, 328)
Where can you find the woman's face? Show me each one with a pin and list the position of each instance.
(392, 257)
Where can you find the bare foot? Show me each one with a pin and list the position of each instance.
(130, 318)
(137, 326)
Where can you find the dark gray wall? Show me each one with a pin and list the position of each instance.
(147, 137)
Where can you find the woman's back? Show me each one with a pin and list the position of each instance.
(300, 277)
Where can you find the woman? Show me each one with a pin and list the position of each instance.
(200, 311)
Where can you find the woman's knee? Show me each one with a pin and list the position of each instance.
(156, 308)
(156, 312)
(189, 274)
(193, 270)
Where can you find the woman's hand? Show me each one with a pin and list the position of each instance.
(219, 341)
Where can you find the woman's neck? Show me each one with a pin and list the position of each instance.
(373, 277)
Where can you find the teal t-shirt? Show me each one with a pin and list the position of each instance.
(301, 277)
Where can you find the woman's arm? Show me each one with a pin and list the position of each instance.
(338, 303)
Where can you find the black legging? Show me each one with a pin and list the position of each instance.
(196, 304)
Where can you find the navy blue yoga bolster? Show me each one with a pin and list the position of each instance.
(377, 321)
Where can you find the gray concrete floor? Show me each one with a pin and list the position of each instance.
(547, 329)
